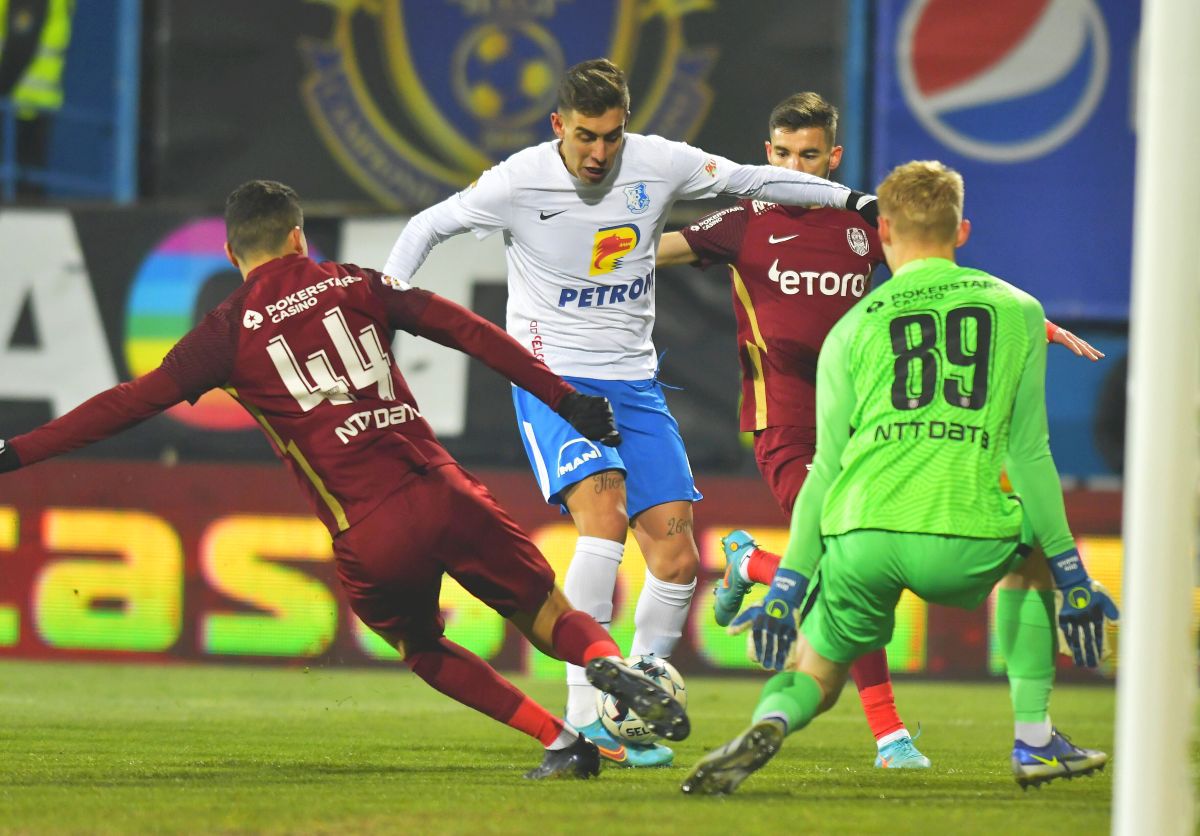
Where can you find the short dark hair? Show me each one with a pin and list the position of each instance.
(805, 110)
(259, 216)
(593, 88)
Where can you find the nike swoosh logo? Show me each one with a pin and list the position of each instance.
(772, 239)
(619, 755)
(1048, 761)
(545, 216)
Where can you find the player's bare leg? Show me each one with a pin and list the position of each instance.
(788, 703)
(1026, 631)
(597, 506)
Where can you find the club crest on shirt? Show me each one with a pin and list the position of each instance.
(636, 198)
(610, 245)
(858, 240)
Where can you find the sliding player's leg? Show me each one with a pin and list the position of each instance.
(1028, 640)
(494, 560)
(393, 585)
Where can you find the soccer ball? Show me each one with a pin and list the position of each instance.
(623, 723)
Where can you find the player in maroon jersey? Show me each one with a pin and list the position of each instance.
(304, 348)
(794, 272)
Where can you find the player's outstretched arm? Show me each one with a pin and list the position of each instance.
(1030, 467)
(482, 207)
(674, 249)
(97, 418)
(782, 185)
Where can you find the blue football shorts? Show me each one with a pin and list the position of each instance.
(651, 453)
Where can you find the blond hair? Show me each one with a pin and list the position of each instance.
(923, 200)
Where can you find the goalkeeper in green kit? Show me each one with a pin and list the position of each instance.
(926, 390)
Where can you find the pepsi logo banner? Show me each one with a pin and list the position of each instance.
(1032, 101)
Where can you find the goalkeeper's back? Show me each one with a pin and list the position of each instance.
(936, 358)
(926, 389)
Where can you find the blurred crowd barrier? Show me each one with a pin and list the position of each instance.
(125, 561)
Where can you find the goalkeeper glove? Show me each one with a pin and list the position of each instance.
(775, 625)
(8, 458)
(592, 416)
(1085, 606)
(866, 205)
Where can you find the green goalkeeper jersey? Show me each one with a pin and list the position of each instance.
(926, 390)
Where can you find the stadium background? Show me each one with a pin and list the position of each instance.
(182, 539)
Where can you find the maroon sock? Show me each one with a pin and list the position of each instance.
(461, 675)
(874, 683)
(578, 639)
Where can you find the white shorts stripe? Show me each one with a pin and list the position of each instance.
(538, 461)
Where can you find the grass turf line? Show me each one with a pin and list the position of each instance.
(123, 748)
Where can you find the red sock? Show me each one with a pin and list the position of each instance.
(874, 683)
(461, 675)
(578, 639)
(761, 565)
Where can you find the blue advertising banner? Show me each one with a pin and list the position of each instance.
(1032, 101)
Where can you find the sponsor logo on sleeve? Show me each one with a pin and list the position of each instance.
(610, 245)
(710, 167)
(715, 218)
(395, 284)
(857, 238)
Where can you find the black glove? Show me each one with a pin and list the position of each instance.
(8, 458)
(592, 416)
(866, 205)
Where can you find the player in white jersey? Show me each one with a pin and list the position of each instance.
(581, 217)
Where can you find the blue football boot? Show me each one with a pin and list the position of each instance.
(901, 754)
(626, 754)
(728, 594)
(1060, 758)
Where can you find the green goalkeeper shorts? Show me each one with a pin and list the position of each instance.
(862, 574)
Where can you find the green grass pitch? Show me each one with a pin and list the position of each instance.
(124, 748)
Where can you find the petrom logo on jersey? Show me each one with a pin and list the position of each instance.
(414, 99)
(611, 244)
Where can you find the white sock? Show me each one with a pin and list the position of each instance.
(743, 565)
(1034, 734)
(589, 584)
(890, 738)
(565, 738)
(661, 614)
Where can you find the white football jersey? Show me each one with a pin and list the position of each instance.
(581, 256)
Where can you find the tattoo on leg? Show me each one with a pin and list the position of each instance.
(678, 526)
(606, 481)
